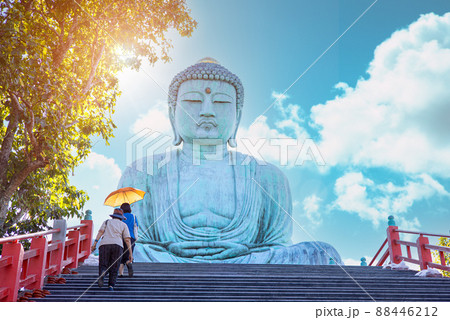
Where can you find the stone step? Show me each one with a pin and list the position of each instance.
(224, 282)
(297, 283)
(167, 267)
(400, 282)
(206, 272)
(248, 292)
(232, 296)
(244, 296)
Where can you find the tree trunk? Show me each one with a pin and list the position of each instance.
(9, 189)
(3, 211)
(6, 146)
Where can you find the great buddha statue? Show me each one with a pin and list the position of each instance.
(209, 203)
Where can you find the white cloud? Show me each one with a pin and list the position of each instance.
(405, 196)
(311, 206)
(285, 144)
(291, 117)
(278, 147)
(100, 163)
(258, 135)
(279, 98)
(399, 116)
(352, 196)
(156, 119)
(360, 195)
(408, 224)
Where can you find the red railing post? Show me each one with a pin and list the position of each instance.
(73, 248)
(85, 245)
(10, 275)
(423, 253)
(55, 258)
(395, 249)
(36, 265)
(442, 258)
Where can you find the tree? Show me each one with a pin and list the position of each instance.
(59, 61)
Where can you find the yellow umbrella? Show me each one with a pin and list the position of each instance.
(127, 194)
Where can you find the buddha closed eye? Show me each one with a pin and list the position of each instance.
(218, 98)
(222, 98)
(192, 97)
(193, 100)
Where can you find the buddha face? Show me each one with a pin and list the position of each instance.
(206, 109)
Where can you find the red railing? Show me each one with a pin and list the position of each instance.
(383, 257)
(28, 269)
(396, 248)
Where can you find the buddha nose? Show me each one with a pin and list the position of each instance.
(207, 109)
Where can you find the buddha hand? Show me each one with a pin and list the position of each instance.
(209, 250)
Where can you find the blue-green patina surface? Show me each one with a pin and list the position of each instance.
(214, 205)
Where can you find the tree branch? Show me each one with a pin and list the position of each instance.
(28, 5)
(6, 147)
(6, 194)
(96, 57)
(44, 18)
(29, 126)
(20, 176)
(60, 52)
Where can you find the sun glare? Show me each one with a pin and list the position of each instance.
(123, 54)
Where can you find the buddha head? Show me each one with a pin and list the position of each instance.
(205, 102)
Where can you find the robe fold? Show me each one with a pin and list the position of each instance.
(262, 220)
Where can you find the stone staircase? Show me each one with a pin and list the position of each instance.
(237, 282)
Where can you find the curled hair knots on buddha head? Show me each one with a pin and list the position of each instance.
(205, 69)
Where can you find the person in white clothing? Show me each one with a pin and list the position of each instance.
(115, 233)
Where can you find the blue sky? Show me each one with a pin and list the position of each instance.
(376, 106)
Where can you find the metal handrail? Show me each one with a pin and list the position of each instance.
(423, 233)
(406, 243)
(439, 248)
(28, 236)
(378, 252)
(76, 227)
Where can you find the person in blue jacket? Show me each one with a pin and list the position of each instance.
(130, 221)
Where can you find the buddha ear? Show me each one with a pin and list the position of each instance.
(177, 138)
(232, 141)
